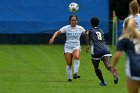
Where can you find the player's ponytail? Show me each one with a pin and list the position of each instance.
(134, 7)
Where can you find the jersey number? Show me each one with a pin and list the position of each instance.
(99, 36)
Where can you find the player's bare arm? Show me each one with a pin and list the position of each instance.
(54, 36)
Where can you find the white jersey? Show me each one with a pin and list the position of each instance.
(137, 20)
(72, 36)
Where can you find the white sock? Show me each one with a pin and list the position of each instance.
(76, 66)
(69, 71)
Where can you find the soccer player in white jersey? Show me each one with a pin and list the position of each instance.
(134, 13)
(72, 45)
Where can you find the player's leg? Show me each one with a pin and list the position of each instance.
(68, 57)
(76, 56)
(98, 71)
(133, 86)
(106, 61)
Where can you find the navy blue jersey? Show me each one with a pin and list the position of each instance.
(132, 50)
(97, 41)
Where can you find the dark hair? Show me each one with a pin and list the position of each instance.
(94, 21)
(73, 16)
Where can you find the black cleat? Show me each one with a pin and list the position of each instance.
(69, 80)
(115, 80)
(76, 76)
(102, 83)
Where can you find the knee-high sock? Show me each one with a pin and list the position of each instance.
(69, 71)
(99, 74)
(76, 66)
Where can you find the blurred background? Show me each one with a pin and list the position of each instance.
(34, 21)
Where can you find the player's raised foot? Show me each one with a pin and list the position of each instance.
(115, 80)
(102, 83)
(69, 80)
(75, 76)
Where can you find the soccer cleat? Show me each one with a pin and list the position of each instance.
(69, 80)
(102, 83)
(115, 80)
(76, 76)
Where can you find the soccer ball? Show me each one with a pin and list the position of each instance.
(73, 7)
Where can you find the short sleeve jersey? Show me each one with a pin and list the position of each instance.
(97, 41)
(72, 34)
(137, 20)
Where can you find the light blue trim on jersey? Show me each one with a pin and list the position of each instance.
(92, 49)
(127, 70)
(127, 66)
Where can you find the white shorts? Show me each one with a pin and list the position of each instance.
(71, 49)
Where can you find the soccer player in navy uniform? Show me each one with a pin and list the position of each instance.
(99, 50)
(129, 42)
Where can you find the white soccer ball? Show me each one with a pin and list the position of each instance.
(73, 7)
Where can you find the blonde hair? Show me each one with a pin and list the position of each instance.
(131, 31)
(134, 7)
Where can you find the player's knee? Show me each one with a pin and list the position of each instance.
(109, 67)
(76, 57)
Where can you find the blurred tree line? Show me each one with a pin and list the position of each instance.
(121, 7)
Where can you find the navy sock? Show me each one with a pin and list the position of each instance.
(99, 74)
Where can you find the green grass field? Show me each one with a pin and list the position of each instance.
(41, 69)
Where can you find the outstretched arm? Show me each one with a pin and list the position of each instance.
(54, 36)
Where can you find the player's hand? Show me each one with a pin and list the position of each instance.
(87, 48)
(51, 41)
